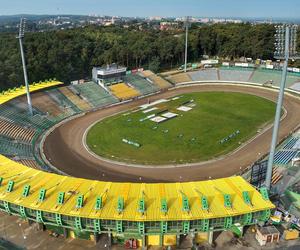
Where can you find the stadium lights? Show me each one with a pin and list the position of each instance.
(186, 26)
(280, 38)
(285, 48)
(20, 37)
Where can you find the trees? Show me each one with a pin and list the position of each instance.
(71, 54)
(154, 64)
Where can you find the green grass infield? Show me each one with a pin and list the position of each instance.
(216, 124)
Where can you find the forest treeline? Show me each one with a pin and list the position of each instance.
(70, 54)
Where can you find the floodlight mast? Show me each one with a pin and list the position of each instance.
(20, 37)
(186, 25)
(285, 49)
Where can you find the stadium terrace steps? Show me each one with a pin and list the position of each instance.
(29, 163)
(276, 176)
(141, 84)
(291, 143)
(15, 131)
(243, 75)
(284, 157)
(80, 103)
(204, 75)
(45, 104)
(250, 77)
(94, 94)
(12, 148)
(160, 82)
(264, 76)
(69, 107)
(17, 128)
(157, 80)
(14, 114)
(146, 73)
(179, 78)
(296, 86)
(123, 91)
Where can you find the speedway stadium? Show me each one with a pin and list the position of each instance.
(53, 172)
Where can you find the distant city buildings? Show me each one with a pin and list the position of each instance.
(168, 25)
(155, 18)
(209, 20)
(52, 22)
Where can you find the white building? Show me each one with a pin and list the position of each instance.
(110, 73)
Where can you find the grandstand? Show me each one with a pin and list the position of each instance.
(12, 148)
(160, 82)
(15, 131)
(179, 78)
(130, 210)
(261, 76)
(45, 104)
(146, 73)
(204, 75)
(264, 76)
(292, 143)
(28, 162)
(14, 113)
(78, 102)
(123, 91)
(141, 84)
(276, 176)
(66, 104)
(296, 86)
(287, 151)
(242, 75)
(284, 157)
(157, 80)
(94, 94)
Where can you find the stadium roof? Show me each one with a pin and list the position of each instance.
(78, 197)
(130, 194)
(7, 95)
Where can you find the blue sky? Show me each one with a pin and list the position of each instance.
(214, 8)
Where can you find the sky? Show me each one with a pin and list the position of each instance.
(169, 8)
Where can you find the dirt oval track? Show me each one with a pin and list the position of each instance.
(64, 147)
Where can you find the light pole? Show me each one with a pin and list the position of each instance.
(186, 25)
(20, 37)
(286, 39)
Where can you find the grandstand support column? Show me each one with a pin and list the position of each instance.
(193, 238)
(278, 110)
(178, 240)
(144, 244)
(20, 37)
(66, 233)
(109, 243)
(41, 226)
(210, 237)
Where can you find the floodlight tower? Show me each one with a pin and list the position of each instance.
(286, 45)
(20, 37)
(186, 26)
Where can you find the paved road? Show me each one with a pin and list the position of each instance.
(65, 150)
